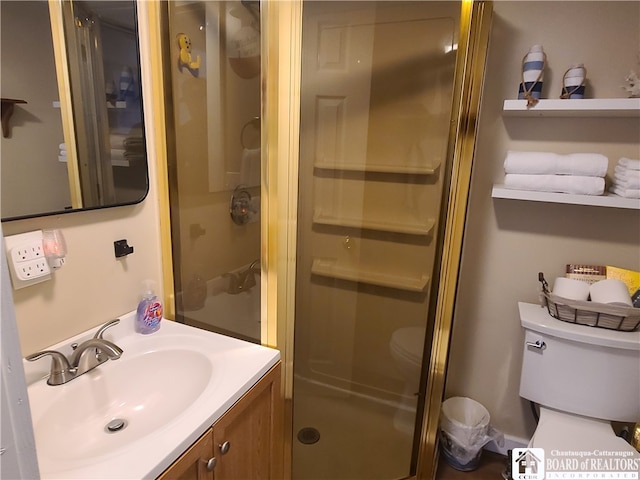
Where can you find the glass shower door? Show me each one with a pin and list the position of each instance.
(215, 184)
(376, 96)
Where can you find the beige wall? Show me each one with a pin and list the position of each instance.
(93, 286)
(508, 242)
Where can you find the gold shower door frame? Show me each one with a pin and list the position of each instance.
(281, 72)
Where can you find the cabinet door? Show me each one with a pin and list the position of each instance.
(193, 464)
(248, 438)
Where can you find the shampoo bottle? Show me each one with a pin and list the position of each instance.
(149, 311)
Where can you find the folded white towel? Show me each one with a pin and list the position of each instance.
(624, 171)
(625, 192)
(627, 179)
(250, 167)
(546, 163)
(626, 183)
(117, 154)
(630, 163)
(117, 140)
(556, 183)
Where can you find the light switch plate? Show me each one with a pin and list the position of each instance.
(27, 263)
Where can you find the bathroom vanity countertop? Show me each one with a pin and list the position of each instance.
(169, 387)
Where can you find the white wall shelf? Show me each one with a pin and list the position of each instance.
(407, 226)
(607, 200)
(331, 269)
(118, 105)
(591, 107)
(378, 168)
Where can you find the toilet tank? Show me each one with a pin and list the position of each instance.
(579, 369)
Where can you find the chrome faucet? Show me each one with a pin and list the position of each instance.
(247, 278)
(244, 280)
(86, 356)
(234, 286)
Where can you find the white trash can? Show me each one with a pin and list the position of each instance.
(464, 430)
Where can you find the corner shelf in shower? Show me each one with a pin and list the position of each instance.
(378, 168)
(407, 226)
(331, 269)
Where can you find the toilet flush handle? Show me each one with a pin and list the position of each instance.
(538, 344)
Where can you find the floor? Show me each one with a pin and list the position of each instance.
(348, 424)
(491, 467)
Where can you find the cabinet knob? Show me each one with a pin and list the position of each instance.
(224, 447)
(211, 464)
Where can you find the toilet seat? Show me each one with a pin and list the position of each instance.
(569, 432)
(408, 344)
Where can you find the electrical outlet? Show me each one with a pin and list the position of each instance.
(32, 269)
(29, 251)
(27, 261)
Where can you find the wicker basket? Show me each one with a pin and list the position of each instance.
(602, 315)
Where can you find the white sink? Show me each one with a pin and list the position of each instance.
(165, 391)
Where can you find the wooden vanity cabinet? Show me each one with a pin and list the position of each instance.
(192, 465)
(246, 442)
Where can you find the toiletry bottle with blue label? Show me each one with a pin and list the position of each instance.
(149, 311)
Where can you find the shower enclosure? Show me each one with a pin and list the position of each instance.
(362, 164)
(376, 101)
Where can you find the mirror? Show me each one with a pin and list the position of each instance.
(72, 119)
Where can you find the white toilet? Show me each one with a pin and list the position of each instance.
(582, 378)
(406, 346)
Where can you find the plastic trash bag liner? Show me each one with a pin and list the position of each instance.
(464, 430)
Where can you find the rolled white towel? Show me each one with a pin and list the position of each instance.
(63, 146)
(576, 184)
(546, 163)
(630, 163)
(625, 192)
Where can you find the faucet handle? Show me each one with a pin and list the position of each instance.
(104, 327)
(99, 355)
(61, 371)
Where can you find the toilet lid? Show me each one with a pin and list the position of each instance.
(568, 432)
(409, 342)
